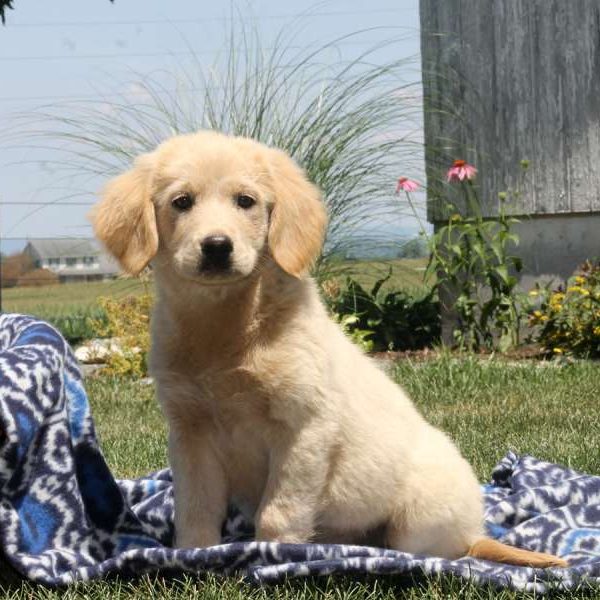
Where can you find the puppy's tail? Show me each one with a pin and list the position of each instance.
(488, 549)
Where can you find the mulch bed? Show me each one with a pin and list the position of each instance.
(524, 352)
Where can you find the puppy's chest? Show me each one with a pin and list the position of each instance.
(228, 388)
(233, 399)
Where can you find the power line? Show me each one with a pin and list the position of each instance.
(59, 203)
(49, 279)
(168, 53)
(167, 21)
(100, 96)
(34, 237)
(98, 56)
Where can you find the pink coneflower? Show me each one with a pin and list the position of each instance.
(461, 170)
(406, 185)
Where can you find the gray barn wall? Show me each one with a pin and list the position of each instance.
(506, 80)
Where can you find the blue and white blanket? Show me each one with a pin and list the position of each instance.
(63, 517)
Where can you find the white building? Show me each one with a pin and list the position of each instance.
(74, 259)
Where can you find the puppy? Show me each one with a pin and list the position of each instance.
(268, 403)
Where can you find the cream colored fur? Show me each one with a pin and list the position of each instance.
(268, 403)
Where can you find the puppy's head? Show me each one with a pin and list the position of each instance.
(211, 208)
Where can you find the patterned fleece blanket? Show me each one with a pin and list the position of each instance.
(64, 517)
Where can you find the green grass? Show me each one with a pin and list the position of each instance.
(488, 407)
(129, 424)
(406, 273)
(54, 301)
(64, 300)
(69, 307)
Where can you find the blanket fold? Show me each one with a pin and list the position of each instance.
(64, 517)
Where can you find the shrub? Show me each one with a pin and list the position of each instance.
(568, 320)
(38, 277)
(13, 267)
(471, 262)
(79, 325)
(350, 326)
(472, 256)
(127, 319)
(384, 320)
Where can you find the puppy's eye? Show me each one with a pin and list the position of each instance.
(244, 201)
(182, 202)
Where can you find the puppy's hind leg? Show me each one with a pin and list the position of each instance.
(440, 512)
(417, 532)
(297, 477)
(438, 530)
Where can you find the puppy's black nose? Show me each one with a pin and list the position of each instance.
(216, 251)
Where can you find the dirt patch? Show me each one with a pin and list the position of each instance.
(525, 352)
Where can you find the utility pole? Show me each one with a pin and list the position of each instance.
(0, 265)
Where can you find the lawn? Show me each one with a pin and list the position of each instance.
(76, 298)
(70, 307)
(487, 406)
(67, 299)
(405, 273)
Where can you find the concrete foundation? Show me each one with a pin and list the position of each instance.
(553, 246)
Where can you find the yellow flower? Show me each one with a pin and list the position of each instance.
(584, 292)
(544, 318)
(574, 288)
(579, 279)
(537, 313)
(557, 350)
(597, 330)
(534, 293)
(331, 288)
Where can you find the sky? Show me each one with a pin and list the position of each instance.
(66, 54)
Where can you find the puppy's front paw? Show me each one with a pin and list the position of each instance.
(190, 538)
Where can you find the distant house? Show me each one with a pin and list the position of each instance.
(78, 259)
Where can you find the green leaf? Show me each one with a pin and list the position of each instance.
(379, 283)
(502, 272)
(517, 263)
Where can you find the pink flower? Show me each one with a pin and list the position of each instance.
(407, 185)
(460, 171)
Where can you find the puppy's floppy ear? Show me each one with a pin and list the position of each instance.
(124, 220)
(299, 218)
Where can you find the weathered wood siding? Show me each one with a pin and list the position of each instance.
(506, 80)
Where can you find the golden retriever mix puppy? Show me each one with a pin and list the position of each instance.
(268, 403)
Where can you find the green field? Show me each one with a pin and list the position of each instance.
(66, 299)
(487, 406)
(406, 273)
(69, 298)
(69, 306)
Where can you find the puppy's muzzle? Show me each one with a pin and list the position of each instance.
(216, 253)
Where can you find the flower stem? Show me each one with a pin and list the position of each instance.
(417, 217)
